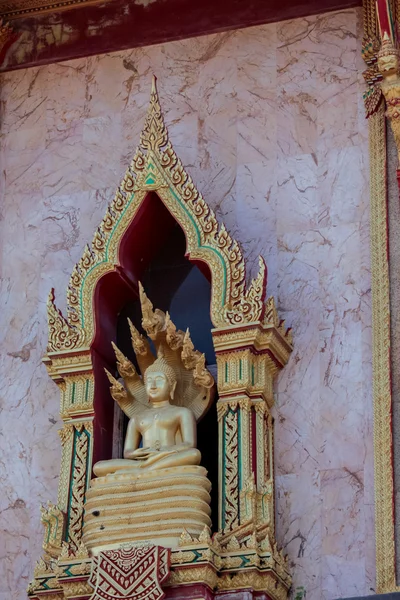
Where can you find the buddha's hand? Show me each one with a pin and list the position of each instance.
(141, 453)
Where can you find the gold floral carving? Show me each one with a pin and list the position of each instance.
(155, 167)
(249, 308)
(256, 581)
(62, 335)
(78, 486)
(231, 470)
(45, 581)
(74, 589)
(248, 359)
(67, 439)
(384, 484)
(201, 574)
(53, 520)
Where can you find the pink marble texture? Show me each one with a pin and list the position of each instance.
(268, 120)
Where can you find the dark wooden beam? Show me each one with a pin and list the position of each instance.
(120, 24)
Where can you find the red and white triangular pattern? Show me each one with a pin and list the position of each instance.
(130, 573)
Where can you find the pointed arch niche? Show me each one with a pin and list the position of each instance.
(251, 345)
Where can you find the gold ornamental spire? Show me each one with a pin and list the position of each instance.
(154, 134)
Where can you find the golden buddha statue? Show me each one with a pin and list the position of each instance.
(160, 429)
(158, 488)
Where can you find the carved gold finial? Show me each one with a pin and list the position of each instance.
(41, 568)
(233, 544)
(204, 537)
(185, 539)
(249, 306)
(154, 134)
(62, 335)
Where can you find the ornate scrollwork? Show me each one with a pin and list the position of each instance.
(249, 307)
(62, 336)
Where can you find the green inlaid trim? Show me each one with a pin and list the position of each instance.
(200, 245)
(48, 530)
(86, 389)
(252, 374)
(245, 561)
(47, 522)
(226, 372)
(44, 581)
(106, 255)
(67, 569)
(197, 555)
(240, 369)
(264, 512)
(73, 392)
(88, 470)
(56, 529)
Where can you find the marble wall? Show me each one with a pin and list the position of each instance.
(269, 123)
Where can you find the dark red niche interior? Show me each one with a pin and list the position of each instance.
(141, 242)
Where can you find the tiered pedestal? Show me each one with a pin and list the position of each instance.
(156, 505)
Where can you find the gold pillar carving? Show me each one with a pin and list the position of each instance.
(248, 359)
(382, 76)
(73, 373)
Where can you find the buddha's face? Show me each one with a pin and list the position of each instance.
(157, 387)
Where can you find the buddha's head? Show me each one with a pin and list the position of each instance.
(160, 381)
